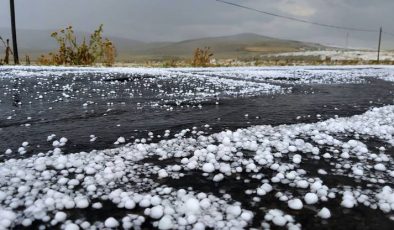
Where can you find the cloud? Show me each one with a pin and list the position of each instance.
(297, 8)
(163, 20)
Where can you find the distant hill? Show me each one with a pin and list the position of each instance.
(226, 46)
(37, 42)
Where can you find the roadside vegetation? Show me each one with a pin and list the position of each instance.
(96, 50)
(202, 57)
(252, 61)
(7, 52)
(71, 52)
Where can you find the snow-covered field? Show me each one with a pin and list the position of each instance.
(260, 176)
(338, 55)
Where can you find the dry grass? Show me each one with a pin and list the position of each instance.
(202, 57)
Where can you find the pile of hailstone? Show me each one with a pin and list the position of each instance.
(46, 187)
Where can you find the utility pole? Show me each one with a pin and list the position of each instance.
(13, 28)
(380, 42)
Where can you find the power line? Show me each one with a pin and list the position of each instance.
(313, 22)
(391, 34)
(298, 19)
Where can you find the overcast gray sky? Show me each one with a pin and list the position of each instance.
(174, 20)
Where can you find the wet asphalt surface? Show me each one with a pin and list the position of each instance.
(134, 117)
(34, 122)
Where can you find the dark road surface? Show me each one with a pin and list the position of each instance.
(124, 117)
(113, 106)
